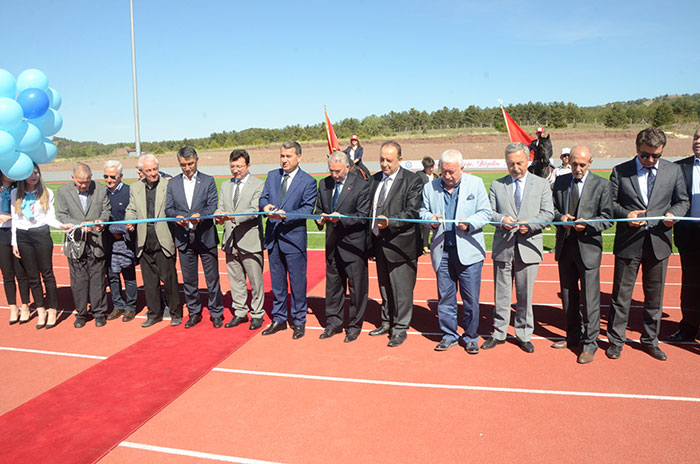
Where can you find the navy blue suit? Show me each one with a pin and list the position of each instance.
(285, 241)
(200, 241)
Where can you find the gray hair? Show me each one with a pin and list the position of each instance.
(339, 157)
(146, 157)
(583, 147)
(515, 147)
(114, 164)
(452, 156)
(82, 167)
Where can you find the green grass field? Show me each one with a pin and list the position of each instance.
(317, 239)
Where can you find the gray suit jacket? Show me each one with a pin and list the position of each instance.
(245, 234)
(668, 195)
(595, 203)
(69, 210)
(536, 206)
(137, 210)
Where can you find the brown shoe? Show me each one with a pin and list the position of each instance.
(561, 344)
(114, 314)
(585, 357)
(128, 316)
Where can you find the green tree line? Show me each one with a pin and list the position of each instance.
(661, 111)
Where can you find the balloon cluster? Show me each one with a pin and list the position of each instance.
(28, 116)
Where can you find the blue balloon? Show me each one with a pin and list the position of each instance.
(49, 123)
(34, 103)
(7, 144)
(8, 85)
(45, 152)
(10, 114)
(27, 136)
(32, 79)
(55, 99)
(17, 166)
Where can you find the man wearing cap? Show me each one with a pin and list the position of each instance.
(534, 143)
(645, 186)
(565, 167)
(354, 151)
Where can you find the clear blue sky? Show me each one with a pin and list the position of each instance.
(218, 65)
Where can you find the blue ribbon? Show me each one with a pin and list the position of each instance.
(27, 204)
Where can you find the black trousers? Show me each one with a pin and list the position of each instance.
(155, 266)
(189, 265)
(340, 275)
(87, 281)
(396, 282)
(36, 249)
(12, 270)
(690, 292)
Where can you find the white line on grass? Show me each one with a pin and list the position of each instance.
(192, 454)
(462, 387)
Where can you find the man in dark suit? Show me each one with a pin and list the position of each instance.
(686, 235)
(643, 186)
(395, 192)
(346, 257)
(191, 194)
(287, 191)
(155, 248)
(80, 202)
(580, 196)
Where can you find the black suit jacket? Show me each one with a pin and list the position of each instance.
(668, 196)
(347, 236)
(204, 201)
(595, 203)
(401, 241)
(686, 233)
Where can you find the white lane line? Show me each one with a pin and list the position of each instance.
(52, 353)
(433, 279)
(192, 454)
(462, 387)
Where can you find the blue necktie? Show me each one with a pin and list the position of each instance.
(651, 178)
(518, 195)
(336, 194)
(27, 204)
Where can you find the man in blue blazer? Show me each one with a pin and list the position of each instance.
(287, 191)
(457, 250)
(192, 194)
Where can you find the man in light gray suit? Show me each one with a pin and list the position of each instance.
(457, 250)
(242, 240)
(580, 196)
(647, 186)
(81, 202)
(517, 248)
(155, 247)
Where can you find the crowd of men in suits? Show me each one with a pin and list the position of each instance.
(375, 219)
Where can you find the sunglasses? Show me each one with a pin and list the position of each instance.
(109, 177)
(645, 155)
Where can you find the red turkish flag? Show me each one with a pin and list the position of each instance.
(333, 144)
(516, 133)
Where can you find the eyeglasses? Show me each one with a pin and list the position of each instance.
(645, 155)
(106, 176)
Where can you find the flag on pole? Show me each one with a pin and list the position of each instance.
(516, 133)
(333, 144)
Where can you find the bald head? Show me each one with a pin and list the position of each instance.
(581, 160)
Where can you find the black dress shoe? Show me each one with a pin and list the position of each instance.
(681, 336)
(299, 331)
(256, 323)
(613, 351)
(654, 351)
(237, 320)
(114, 314)
(151, 321)
(329, 332)
(381, 330)
(79, 323)
(396, 340)
(491, 342)
(217, 322)
(527, 347)
(128, 316)
(351, 336)
(274, 328)
(100, 321)
(471, 348)
(175, 321)
(193, 321)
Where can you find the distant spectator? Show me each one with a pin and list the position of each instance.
(565, 167)
(540, 135)
(427, 175)
(354, 151)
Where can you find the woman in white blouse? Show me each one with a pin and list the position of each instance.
(12, 272)
(32, 214)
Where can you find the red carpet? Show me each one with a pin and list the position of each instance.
(83, 418)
